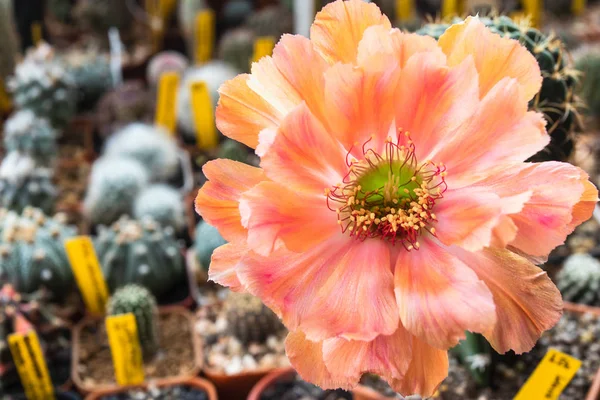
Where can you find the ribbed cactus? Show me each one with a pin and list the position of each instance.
(233, 150)
(141, 303)
(236, 48)
(20, 313)
(206, 240)
(28, 134)
(579, 279)
(140, 252)
(271, 21)
(214, 74)
(23, 184)
(9, 42)
(127, 103)
(32, 255)
(163, 204)
(91, 75)
(556, 99)
(587, 61)
(165, 61)
(42, 84)
(149, 145)
(249, 320)
(114, 186)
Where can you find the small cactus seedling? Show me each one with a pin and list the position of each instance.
(28, 134)
(32, 255)
(141, 303)
(140, 252)
(579, 280)
(23, 184)
(163, 204)
(114, 186)
(214, 74)
(42, 84)
(249, 320)
(557, 98)
(206, 241)
(149, 145)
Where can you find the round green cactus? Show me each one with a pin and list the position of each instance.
(271, 21)
(556, 99)
(140, 252)
(42, 84)
(23, 184)
(141, 303)
(92, 77)
(237, 48)
(28, 134)
(32, 255)
(588, 63)
(579, 279)
(206, 241)
(249, 320)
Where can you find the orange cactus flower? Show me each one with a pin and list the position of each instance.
(392, 210)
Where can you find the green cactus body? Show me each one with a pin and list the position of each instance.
(476, 354)
(32, 255)
(556, 99)
(140, 252)
(206, 241)
(141, 303)
(235, 11)
(149, 145)
(579, 280)
(9, 42)
(271, 21)
(114, 185)
(61, 10)
(588, 63)
(233, 150)
(42, 84)
(237, 48)
(30, 135)
(92, 78)
(23, 184)
(163, 204)
(249, 320)
(98, 16)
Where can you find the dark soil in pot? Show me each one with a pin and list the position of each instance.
(180, 392)
(59, 396)
(575, 334)
(176, 356)
(297, 389)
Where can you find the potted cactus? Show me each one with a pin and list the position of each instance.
(174, 388)
(166, 337)
(243, 340)
(28, 134)
(20, 313)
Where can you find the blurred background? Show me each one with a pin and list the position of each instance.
(106, 119)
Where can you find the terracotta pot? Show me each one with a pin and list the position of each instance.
(281, 374)
(196, 383)
(235, 387)
(84, 388)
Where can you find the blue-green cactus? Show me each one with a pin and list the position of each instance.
(163, 204)
(579, 280)
(207, 239)
(32, 254)
(28, 134)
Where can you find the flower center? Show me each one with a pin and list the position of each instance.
(389, 195)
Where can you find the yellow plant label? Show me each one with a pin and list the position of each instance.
(125, 349)
(166, 103)
(36, 33)
(204, 35)
(405, 9)
(578, 6)
(533, 10)
(550, 378)
(88, 273)
(204, 116)
(263, 46)
(449, 8)
(31, 366)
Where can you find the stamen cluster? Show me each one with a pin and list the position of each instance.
(390, 196)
